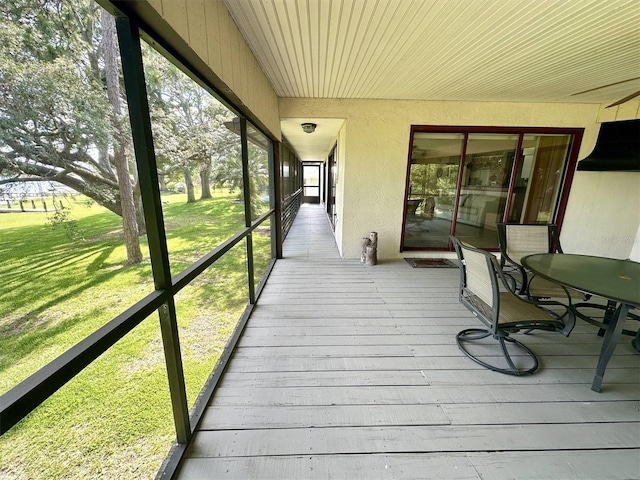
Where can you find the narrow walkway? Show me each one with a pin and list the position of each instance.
(352, 372)
(310, 237)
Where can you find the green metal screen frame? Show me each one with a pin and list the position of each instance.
(18, 402)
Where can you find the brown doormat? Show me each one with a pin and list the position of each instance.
(431, 263)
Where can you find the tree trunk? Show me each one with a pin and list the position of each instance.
(205, 176)
(129, 220)
(162, 182)
(188, 181)
(137, 200)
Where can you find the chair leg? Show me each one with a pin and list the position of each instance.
(471, 335)
(609, 310)
(570, 323)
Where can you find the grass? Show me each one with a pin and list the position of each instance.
(114, 419)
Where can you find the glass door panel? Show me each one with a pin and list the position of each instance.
(311, 179)
(433, 176)
(539, 178)
(484, 187)
(332, 181)
(464, 181)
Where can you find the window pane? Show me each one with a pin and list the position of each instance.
(485, 183)
(432, 187)
(311, 175)
(258, 146)
(539, 178)
(113, 420)
(286, 175)
(262, 251)
(208, 310)
(197, 146)
(489, 175)
(71, 263)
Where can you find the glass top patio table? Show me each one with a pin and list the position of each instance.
(614, 279)
(611, 278)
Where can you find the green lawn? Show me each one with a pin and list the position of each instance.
(114, 419)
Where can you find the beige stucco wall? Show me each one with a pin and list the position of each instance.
(204, 33)
(603, 212)
(373, 167)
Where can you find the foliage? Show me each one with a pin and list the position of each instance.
(188, 123)
(61, 218)
(229, 174)
(54, 116)
(258, 179)
(433, 179)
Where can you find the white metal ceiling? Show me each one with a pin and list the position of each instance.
(482, 50)
(474, 50)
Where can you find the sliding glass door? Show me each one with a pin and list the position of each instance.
(484, 187)
(462, 181)
(431, 189)
(539, 178)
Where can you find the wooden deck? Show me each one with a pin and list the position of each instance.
(352, 372)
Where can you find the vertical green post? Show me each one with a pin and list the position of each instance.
(246, 185)
(133, 71)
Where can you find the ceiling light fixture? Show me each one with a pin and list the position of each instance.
(309, 127)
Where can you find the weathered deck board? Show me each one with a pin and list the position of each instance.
(270, 416)
(422, 394)
(582, 333)
(348, 371)
(415, 377)
(409, 350)
(412, 438)
(273, 339)
(459, 362)
(564, 465)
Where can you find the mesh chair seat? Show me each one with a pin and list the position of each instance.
(516, 241)
(502, 313)
(513, 310)
(542, 288)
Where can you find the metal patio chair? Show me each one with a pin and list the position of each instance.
(519, 240)
(485, 291)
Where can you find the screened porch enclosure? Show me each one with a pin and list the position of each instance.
(348, 371)
(144, 333)
(220, 356)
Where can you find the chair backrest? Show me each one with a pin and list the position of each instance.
(519, 240)
(478, 281)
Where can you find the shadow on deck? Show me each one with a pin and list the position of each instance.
(348, 371)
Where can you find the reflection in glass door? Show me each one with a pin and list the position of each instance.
(539, 178)
(464, 181)
(484, 187)
(431, 192)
